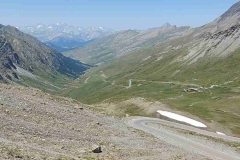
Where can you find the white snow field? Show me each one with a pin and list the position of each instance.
(182, 118)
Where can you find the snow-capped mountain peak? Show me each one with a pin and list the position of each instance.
(48, 32)
(39, 26)
(60, 33)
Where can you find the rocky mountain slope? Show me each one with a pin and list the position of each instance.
(204, 58)
(24, 58)
(114, 46)
(35, 125)
(64, 36)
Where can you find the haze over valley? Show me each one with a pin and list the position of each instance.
(64, 37)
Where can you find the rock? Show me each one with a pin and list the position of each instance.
(192, 90)
(112, 145)
(78, 107)
(82, 151)
(7, 111)
(96, 149)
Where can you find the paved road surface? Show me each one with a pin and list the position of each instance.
(129, 84)
(140, 123)
(87, 79)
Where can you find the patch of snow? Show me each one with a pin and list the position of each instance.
(182, 118)
(49, 27)
(100, 27)
(39, 26)
(221, 133)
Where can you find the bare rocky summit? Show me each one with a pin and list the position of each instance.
(235, 9)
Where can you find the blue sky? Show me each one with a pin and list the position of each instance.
(116, 14)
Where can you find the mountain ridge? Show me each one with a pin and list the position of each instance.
(24, 56)
(74, 35)
(204, 58)
(116, 45)
(235, 9)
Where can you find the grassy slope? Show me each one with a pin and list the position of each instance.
(48, 82)
(220, 104)
(100, 50)
(114, 46)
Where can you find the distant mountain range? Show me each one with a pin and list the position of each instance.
(25, 60)
(111, 47)
(63, 37)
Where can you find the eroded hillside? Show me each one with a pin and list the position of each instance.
(36, 125)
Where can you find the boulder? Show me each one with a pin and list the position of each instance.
(96, 149)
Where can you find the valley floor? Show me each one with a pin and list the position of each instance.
(36, 125)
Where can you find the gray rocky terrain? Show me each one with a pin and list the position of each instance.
(36, 125)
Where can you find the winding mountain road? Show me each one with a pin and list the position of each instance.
(180, 141)
(129, 84)
(87, 79)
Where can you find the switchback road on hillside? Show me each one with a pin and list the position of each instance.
(180, 141)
